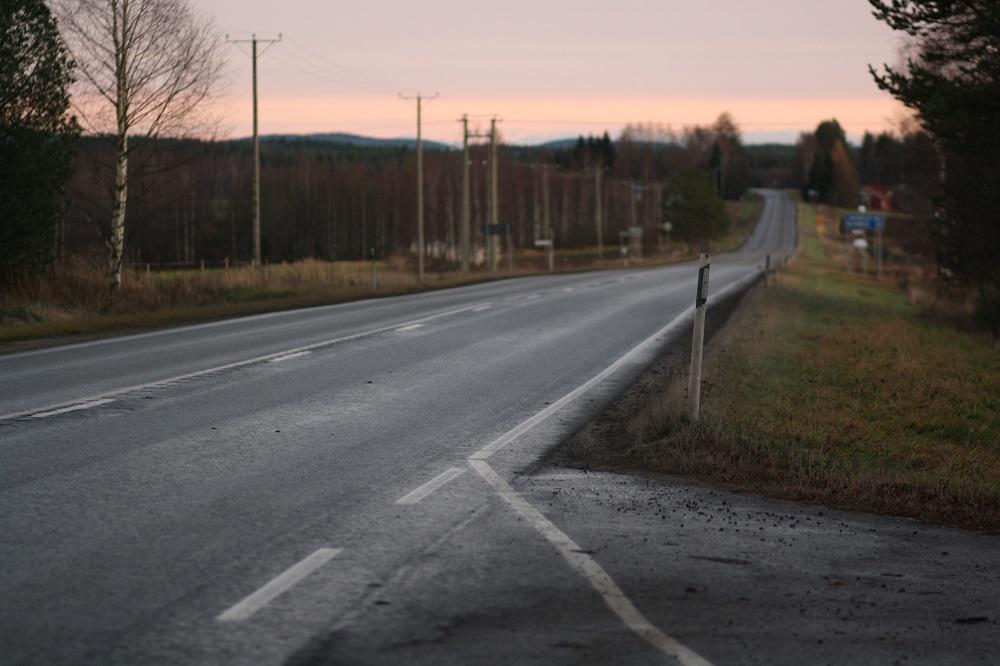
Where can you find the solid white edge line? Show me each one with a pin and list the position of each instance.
(72, 408)
(278, 585)
(582, 563)
(669, 329)
(588, 567)
(482, 308)
(426, 489)
(236, 364)
(411, 327)
(288, 357)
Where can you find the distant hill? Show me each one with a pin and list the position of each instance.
(346, 139)
(558, 144)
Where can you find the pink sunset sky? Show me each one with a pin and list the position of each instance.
(555, 68)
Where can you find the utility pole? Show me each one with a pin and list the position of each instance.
(253, 41)
(490, 236)
(420, 180)
(495, 204)
(466, 196)
(598, 212)
(633, 203)
(466, 213)
(545, 201)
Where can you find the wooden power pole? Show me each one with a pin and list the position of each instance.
(254, 41)
(420, 179)
(598, 212)
(466, 213)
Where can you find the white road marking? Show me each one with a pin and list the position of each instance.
(569, 289)
(278, 585)
(426, 489)
(582, 563)
(72, 408)
(588, 567)
(288, 357)
(411, 327)
(481, 308)
(641, 348)
(235, 364)
(531, 297)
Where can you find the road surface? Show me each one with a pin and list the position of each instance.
(340, 484)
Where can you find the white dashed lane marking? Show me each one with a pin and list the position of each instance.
(72, 408)
(426, 489)
(277, 586)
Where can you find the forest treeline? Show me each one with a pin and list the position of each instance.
(191, 200)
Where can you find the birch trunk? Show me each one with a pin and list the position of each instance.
(120, 32)
(118, 213)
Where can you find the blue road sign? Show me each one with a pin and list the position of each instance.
(863, 222)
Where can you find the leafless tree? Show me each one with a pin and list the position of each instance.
(147, 70)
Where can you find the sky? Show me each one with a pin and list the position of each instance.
(556, 68)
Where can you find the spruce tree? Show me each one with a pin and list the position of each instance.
(36, 134)
(952, 80)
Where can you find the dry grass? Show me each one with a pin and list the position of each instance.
(743, 216)
(828, 388)
(73, 299)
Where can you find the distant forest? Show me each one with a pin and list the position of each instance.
(335, 198)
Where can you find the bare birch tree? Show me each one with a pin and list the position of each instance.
(147, 69)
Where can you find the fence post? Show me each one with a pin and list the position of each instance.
(698, 340)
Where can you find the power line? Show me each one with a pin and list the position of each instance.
(318, 72)
(346, 70)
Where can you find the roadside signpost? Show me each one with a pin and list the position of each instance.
(496, 229)
(698, 340)
(864, 222)
(547, 243)
(821, 221)
(630, 243)
(862, 245)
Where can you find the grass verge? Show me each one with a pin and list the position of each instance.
(827, 388)
(72, 300)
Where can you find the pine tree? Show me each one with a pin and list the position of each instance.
(952, 81)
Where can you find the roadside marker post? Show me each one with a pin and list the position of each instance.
(550, 251)
(878, 252)
(371, 253)
(698, 340)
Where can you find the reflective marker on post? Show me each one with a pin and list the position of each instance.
(698, 340)
(702, 297)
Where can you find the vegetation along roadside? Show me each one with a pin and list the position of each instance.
(826, 387)
(71, 298)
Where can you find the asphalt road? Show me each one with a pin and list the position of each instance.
(250, 491)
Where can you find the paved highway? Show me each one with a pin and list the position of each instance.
(244, 491)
